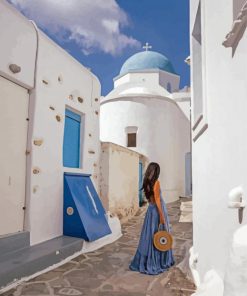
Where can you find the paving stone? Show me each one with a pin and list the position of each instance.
(118, 293)
(69, 291)
(48, 276)
(130, 281)
(10, 292)
(178, 281)
(107, 287)
(85, 279)
(80, 258)
(35, 289)
(65, 267)
(59, 283)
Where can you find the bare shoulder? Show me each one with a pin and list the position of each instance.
(157, 185)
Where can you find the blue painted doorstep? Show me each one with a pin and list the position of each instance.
(84, 215)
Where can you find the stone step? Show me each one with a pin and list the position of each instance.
(29, 260)
(13, 242)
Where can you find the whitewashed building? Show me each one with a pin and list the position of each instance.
(219, 128)
(49, 125)
(147, 113)
(121, 175)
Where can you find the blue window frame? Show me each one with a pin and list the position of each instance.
(72, 139)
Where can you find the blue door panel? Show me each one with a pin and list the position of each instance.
(73, 115)
(71, 144)
(88, 220)
(75, 225)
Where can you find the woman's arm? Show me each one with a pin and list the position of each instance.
(158, 201)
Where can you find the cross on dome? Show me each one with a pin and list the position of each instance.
(147, 46)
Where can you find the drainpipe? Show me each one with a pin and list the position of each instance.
(193, 260)
(188, 62)
(31, 111)
(36, 55)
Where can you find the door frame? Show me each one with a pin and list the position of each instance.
(28, 167)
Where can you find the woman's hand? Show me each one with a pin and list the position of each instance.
(162, 220)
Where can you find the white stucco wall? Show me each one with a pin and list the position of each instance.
(150, 78)
(185, 107)
(44, 191)
(119, 185)
(162, 135)
(166, 77)
(218, 155)
(54, 62)
(18, 45)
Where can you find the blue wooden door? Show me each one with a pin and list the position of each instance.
(72, 140)
(140, 183)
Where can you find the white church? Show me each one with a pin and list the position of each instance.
(147, 113)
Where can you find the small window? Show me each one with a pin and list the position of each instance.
(131, 134)
(131, 140)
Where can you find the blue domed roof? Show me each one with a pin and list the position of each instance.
(147, 60)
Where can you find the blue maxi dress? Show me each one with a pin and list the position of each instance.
(148, 259)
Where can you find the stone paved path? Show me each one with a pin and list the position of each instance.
(105, 272)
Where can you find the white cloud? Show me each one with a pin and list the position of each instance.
(93, 24)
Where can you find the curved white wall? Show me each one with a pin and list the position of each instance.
(63, 77)
(151, 78)
(163, 136)
(44, 217)
(18, 45)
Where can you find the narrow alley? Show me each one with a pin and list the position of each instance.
(105, 272)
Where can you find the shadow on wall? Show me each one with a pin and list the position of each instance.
(235, 282)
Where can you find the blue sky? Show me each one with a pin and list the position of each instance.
(127, 25)
(162, 23)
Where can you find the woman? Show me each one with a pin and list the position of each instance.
(147, 258)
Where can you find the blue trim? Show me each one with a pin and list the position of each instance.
(73, 115)
(77, 174)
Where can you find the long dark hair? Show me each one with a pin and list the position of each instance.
(151, 176)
